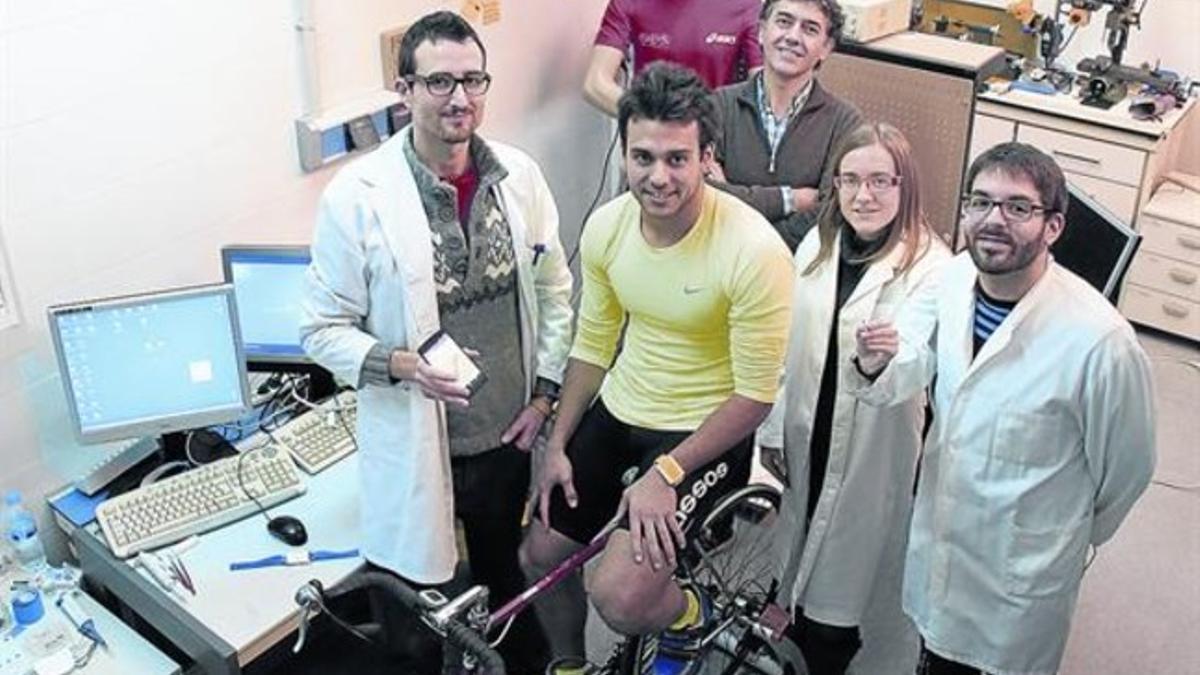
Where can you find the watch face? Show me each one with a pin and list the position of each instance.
(670, 470)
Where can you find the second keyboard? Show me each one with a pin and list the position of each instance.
(323, 435)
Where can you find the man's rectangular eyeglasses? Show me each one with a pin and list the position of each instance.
(876, 182)
(474, 83)
(1015, 210)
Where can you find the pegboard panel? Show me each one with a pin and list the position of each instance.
(932, 109)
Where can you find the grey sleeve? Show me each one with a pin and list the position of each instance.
(375, 367)
(766, 199)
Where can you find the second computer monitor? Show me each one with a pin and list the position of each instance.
(1095, 244)
(269, 281)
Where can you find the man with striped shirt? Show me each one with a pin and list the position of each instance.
(1043, 436)
(989, 313)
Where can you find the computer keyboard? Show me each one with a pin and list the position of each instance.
(317, 438)
(199, 500)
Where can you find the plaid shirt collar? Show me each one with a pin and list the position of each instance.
(775, 127)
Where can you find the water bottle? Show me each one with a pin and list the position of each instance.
(22, 533)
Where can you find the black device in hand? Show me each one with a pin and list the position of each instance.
(441, 351)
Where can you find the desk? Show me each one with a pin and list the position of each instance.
(1116, 159)
(127, 651)
(237, 616)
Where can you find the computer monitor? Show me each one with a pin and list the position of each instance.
(150, 364)
(1096, 244)
(269, 283)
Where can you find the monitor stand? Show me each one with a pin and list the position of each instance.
(155, 455)
(206, 446)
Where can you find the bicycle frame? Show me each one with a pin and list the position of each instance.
(467, 612)
(568, 566)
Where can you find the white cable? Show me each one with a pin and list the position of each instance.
(503, 632)
(187, 448)
(296, 395)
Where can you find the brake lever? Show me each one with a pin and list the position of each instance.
(308, 597)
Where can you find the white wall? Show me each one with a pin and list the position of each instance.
(138, 136)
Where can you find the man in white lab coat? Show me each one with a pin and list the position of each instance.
(440, 230)
(1043, 433)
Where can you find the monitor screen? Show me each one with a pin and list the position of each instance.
(150, 364)
(269, 282)
(1096, 244)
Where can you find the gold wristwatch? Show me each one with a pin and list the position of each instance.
(669, 469)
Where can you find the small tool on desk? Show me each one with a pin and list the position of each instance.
(163, 573)
(292, 558)
(79, 618)
(180, 572)
(167, 568)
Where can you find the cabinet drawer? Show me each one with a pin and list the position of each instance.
(1087, 156)
(1120, 199)
(1157, 273)
(1160, 310)
(1170, 239)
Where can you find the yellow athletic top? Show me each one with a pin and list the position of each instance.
(708, 315)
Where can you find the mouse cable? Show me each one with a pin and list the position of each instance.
(242, 483)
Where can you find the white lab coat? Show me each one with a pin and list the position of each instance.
(830, 569)
(371, 280)
(1041, 444)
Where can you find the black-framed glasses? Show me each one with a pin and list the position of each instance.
(876, 182)
(474, 83)
(1014, 210)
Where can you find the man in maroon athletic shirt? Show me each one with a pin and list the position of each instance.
(716, 38)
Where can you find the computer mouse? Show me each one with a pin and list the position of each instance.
(288, 529)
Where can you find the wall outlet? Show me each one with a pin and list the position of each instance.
(354, 126)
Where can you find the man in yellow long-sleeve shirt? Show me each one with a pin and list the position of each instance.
(704, 284)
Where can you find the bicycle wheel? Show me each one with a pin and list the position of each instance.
(734, 557)
(733, 552)
(734, 654)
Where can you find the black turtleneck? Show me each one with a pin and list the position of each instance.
(851, 268)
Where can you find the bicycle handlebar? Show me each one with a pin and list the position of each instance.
(456, 632)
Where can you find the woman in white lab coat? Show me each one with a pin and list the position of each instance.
(849, 467)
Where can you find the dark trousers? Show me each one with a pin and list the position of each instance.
(489, 498)
(827, 649)
(932, 664)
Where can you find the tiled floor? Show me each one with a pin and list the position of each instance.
(1139, 609)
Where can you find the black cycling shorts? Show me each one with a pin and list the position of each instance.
(607, 455)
